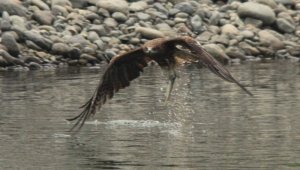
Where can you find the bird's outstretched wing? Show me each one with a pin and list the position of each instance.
(199, 54)
(120, 71)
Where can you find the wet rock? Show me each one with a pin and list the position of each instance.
(285, 26)
(43, 17)
(217, 52)
(186, 7)
(10, 59)
(270, 40)
(34, 66)
(9, 41)
(38, 39)
(13, 7)
(138, 6)
(114, 5)
(39, 3)
(28, 59)
(160, 7)
(119, 16)
(3, 62)
(257, 11)
(149, 32)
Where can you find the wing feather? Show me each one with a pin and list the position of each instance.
(200, 55)
(121, 70)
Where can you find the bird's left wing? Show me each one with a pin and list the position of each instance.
(199, 54)
(120, 71)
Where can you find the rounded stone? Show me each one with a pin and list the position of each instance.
(114, 5)
(257, 11)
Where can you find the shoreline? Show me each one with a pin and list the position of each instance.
(35, 34)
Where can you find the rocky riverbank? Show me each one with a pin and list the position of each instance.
(38, 34)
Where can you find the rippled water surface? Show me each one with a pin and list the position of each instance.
(207, 124)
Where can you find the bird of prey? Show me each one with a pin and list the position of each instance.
(166, 52)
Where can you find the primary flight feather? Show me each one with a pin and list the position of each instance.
(126, 67)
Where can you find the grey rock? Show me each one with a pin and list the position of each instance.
(34, 66)
(143, 16)
(39, 3)
(215, 18)
(257, 11)
(93, 36)
(3, 62)
(31, 58)
(138, 6)
(217, 52)
(255, 22)
(60, 48)
(18, 23)
(59, 10)
(248, 49)
(229, 30)
(205, 36)
(5, 24)
(110, 22)
(89, 58)
(149, 33)
(196, 22)
(114, 5)
(77, 40)
(285, 26)
(186, 7)
(270, 3)
(9, 41)
(119, 16)
(221, 39)
(38, 39)
(100, 29)
(10, 59)
(235, 52)
(270, 40)
(43, 17)
(247, 34)
(100, 44)
(286, 2)
(61, 3)
(32, 45)
(13, 7)
(160, 7)
(79, 3)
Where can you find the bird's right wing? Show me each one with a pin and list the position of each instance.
(121, 70)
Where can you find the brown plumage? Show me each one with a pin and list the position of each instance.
(166, 52)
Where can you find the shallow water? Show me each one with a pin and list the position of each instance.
(207, 124)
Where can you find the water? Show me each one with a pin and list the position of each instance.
(208, 124)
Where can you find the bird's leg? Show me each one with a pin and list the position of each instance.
(172, 77)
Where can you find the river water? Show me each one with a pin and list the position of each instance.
(207, 124)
